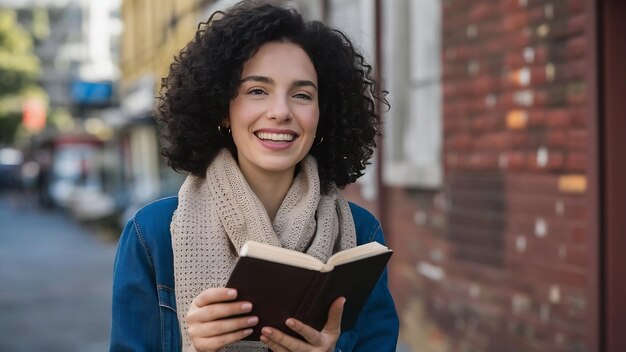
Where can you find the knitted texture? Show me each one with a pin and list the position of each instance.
(216, 215)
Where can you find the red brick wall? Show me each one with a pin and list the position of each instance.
(496, 261)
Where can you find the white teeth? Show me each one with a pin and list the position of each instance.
(279, 137)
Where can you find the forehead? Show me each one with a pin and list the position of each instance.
(280, 60)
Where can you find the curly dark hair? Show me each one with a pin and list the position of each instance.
(205, 76)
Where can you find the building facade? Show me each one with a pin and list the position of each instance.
(516, 248)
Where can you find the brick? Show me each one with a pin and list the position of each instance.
(516, 21)
(574, 70)
(453, 72)
(555, 161)
(576, 6)
(541, 54)
(544, 98)
(514, 59)
(516, 160)
(556, 96)
(507, 6)
(546, 273)
(532, 184)
(481, 11)
(481, 85)
(485, 123)
(531, 204)
(576, 94)
(494, 142)
(576, 209)
(517, 119)
(557, 118)
(539, 75)
(464, 141)
(557, 138)
(538, 55)
(449, 89)
(556, 30)
(576, 256)
(577, 140)
(483, 160)
(454, 24)
(576, 47)
(576, 24)
(518, 140)
(537, 118)
(573, 183)
(466, 51)
(578, 116)
(452, 110)
(536, 15)
(576, 161)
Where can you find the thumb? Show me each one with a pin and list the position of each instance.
(333, 324)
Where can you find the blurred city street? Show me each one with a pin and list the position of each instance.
(56, 280)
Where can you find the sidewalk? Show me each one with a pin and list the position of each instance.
(56, 281)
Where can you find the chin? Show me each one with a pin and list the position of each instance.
(278, 164)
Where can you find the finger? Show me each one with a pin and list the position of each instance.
(275, 347)
(275, 338)
(221, 327)
(217, 311)
(311, 335)
(214, 295)
(217, 342)
(333, 324)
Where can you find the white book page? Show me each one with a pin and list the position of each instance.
(353, 254)
(280, 255)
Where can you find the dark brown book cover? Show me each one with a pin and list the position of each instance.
(279, 291)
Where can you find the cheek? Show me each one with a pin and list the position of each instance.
(240, 116)
(311, 119)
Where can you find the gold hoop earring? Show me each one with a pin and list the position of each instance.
(224, 131)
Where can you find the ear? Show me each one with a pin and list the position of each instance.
(226, 122)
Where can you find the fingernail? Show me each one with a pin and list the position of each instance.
(267, 331)
(231, 292)
(247, 332)
(246, 307)
(290, 323)
(343, 301)
(253, 320)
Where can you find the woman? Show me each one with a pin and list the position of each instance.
(270, 115)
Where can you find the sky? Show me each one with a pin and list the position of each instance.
(44, 3)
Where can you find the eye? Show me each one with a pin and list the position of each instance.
(303, 96)
(256, 91)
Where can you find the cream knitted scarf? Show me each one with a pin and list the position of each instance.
(216, 215)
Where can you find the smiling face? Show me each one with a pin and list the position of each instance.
(274, 116)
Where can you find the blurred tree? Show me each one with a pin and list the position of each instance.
(19, 71)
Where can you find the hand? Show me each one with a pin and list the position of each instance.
(207, 321)
(322, 341)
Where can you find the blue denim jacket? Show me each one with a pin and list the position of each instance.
(144, 304)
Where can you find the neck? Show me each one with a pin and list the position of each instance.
(270, 189)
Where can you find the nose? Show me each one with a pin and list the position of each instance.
(279, 108)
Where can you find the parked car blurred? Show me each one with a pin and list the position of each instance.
(11, 160)
(71, 175)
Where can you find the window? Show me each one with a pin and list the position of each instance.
(412, 72)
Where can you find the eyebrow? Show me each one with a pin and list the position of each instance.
(268, 80)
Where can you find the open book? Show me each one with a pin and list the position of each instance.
(283, 283)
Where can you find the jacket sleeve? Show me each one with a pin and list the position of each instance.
(135, 315)
(378, 321)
